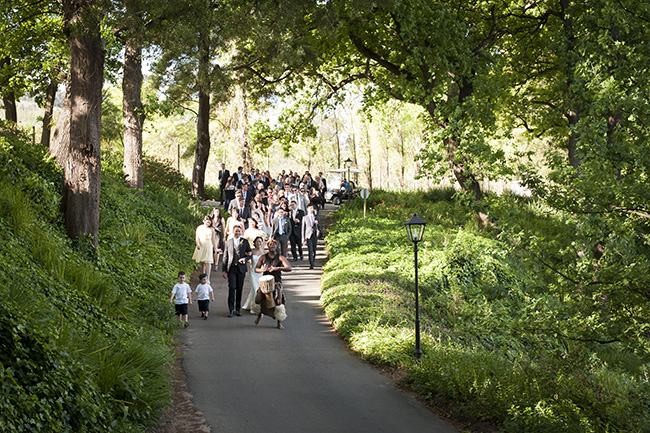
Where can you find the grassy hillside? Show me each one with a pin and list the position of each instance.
(85, 334)
(507, 339)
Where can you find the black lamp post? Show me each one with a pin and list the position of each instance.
(348, 164)
(415, 229)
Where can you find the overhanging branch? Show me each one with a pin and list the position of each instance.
(333, 88)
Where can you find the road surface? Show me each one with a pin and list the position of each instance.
(247, 378)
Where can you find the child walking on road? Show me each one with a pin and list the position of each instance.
(183, 294)
(204, 294)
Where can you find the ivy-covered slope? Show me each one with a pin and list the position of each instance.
(85, 334)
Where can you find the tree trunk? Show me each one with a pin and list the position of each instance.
(9, 102)
(47, 112)
(465, 178)
(81, 150)
(397, 127)
(573, 113)
(462, 89)
(61, 136)
(132, 114)
(242, 128)
(202, 151)
(402, 152)
(573, 118)
(368, 156)
(337, 141)
(387, 149)
(353, 147)
(8, 95)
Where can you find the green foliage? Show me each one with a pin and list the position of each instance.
(162, 173)
(112, 128)
(43, 388)
(33, 45)
(86, 334)
(506, 339)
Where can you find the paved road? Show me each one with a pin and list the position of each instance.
(247, 378)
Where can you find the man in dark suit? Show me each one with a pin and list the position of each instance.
(224, 175)
(248, 191)
(235, 254)
(309, 182)
(265, 179)
(310, 234)
(239, 176)
(295, 236)
(280, 230)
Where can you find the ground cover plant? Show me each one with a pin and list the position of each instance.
(507, 338)
(85, 334)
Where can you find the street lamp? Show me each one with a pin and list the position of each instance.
(348, 164)
(415, 229)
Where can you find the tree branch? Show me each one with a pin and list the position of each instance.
(381, 60)
(333, 88)
(631, 211)
(260, 75)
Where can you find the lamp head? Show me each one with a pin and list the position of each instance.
(415, 228)
(348, 163)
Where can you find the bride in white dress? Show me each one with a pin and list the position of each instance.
(257, 252)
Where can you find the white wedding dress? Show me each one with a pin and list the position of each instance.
(255, 283)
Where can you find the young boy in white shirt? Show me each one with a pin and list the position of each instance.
(183, 294)
(204, 294)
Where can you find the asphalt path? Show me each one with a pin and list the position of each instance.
(247, 378)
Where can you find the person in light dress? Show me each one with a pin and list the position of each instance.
(256, 253)
(205, 246)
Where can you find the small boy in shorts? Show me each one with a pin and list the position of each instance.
(204, 294)
(183, 294)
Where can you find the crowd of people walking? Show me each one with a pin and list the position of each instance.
(266, 219)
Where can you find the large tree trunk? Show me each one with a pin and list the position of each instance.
(9, 103)
(242, 128)
(132, 114)
(8, 96)
(202, 151)
(573, 113)
(465, 178)
(573, 118)
(459, 162)
(80, 156)
(47, 112)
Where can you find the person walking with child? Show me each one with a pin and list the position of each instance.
(181, 296)
(204, 294)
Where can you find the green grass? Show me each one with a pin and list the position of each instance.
(506, 338)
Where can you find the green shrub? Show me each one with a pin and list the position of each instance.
(163, 174)
(85, 333)
(43, 389)
(506, 340)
